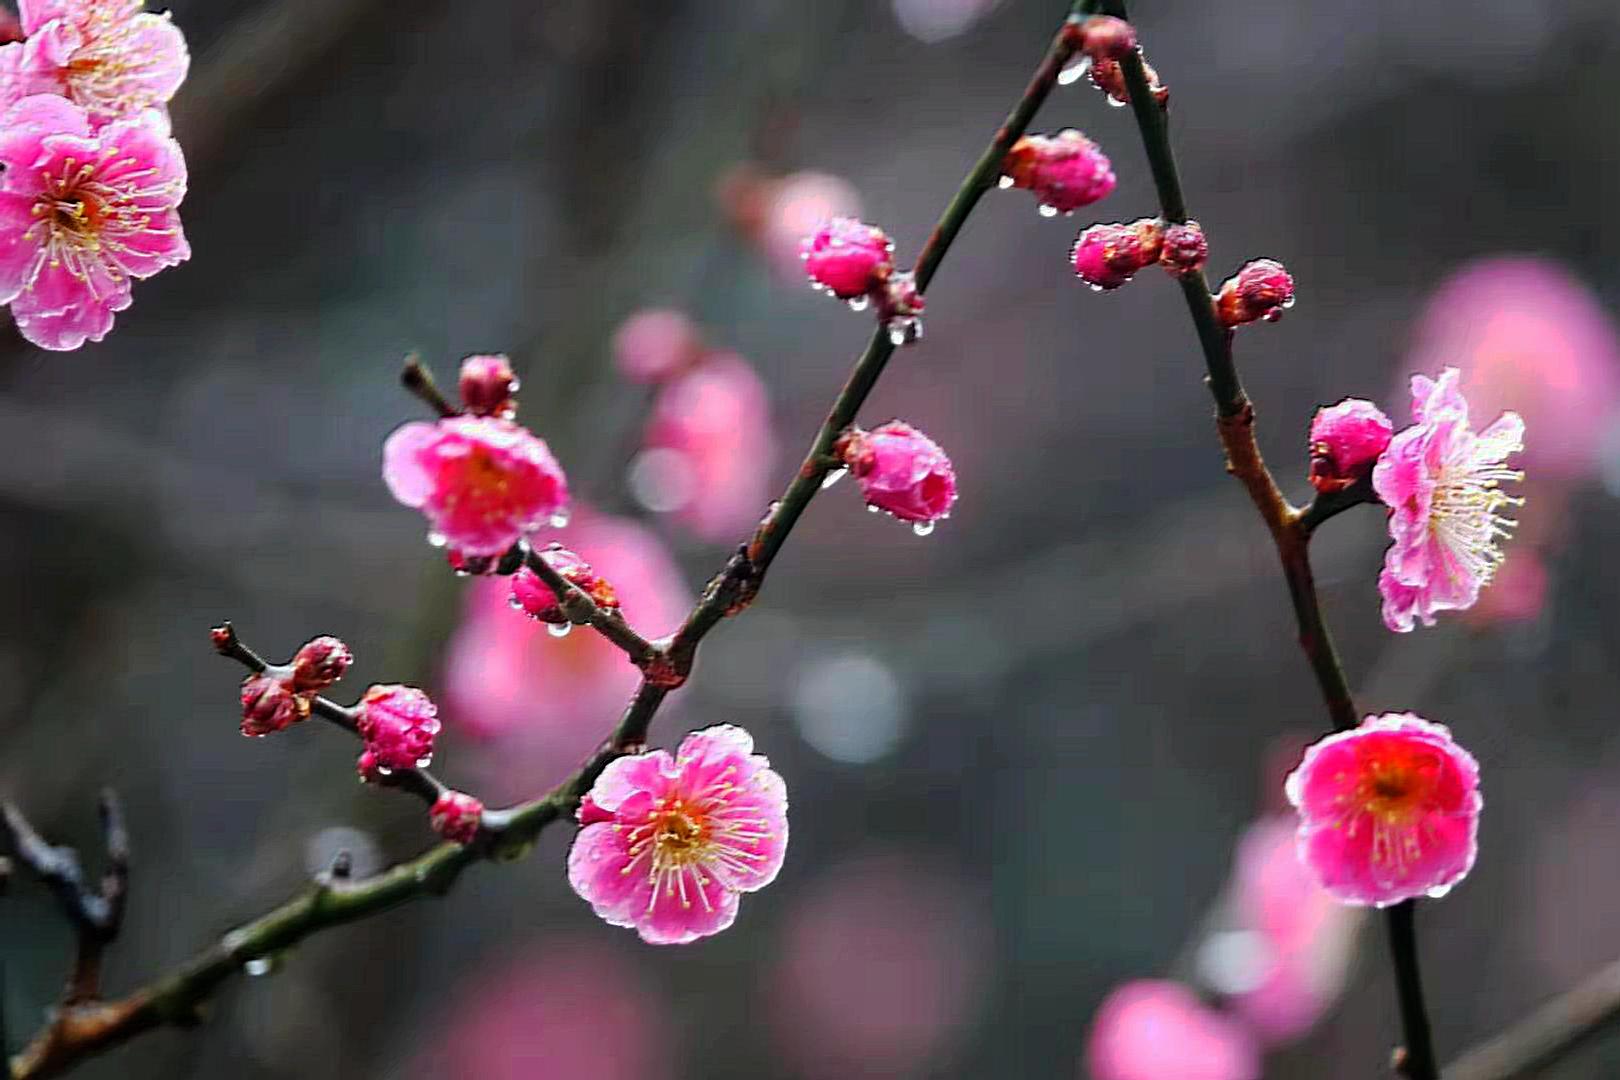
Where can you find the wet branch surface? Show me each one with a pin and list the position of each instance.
(82, 1027)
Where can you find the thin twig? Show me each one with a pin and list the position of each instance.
(1290, 528)
(1548, 1034)
(416, 378)
(333, 901)
(582, 610)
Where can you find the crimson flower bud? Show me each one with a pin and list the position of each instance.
(1346, 440)
(847, 258)
(1108, 255)
(1261, 289)
(1184, 249)
(487, 386)
(456, 816)
(535, 597)
(319, 664)
(269, 704)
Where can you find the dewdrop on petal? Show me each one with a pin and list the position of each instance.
(847, 258)
(902, 472)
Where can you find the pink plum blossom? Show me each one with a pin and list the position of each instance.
(1109, 254)
(81, 214)
(1346, 440)
(669, 844)
(482, 482)
(1262, 289)
(1387, 811)
(487, 384)
(655, 344)
(398, 724)
(847, 258)
(539, 701)
(709, 448)
(1442, 482)
(901, 471)
(1157, 1030)
(456, 816)
(537, 599)
(1064, 171)
(109, 57)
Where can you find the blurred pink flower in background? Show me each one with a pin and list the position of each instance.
(543, 701)
(936, 20)
(555, 1012)
(793, 208)
(708, 449)
(880, 970)
(1153, 1029)
(655, 343)
(1300, 938)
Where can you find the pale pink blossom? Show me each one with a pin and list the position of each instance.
(109, 57)
(1442, 482)
(1387, 811)
(1346, 440)
(1109, 254)
(669, 844)
(1157, 1030)
(1064, 171)
(709, 448)
(82, 214)
(398, 724)
(655, 344)
(539, 601)
(538, 701)
(883, 966)
(482, 482)
(901, 471)
(847, 258)
(456, 816)
(1262, 289)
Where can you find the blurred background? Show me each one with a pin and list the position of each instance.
(1034, 757)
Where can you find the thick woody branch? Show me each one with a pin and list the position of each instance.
(1290, 528)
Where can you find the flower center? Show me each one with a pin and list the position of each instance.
(679, 837)
(1466, 513)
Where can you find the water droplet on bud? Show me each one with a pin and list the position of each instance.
(832, 478)
(872, 508)
(257, 966)
(1005, 182)
(1115, 102)
(559, 629)
(897, 337)
(437, 539)
(859, 303)
(922, 528)
(384, 770)
(1048, 210)
(424, 762)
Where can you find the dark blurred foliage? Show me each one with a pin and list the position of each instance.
(1087, 664)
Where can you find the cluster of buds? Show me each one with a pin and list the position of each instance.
(532, 595)
(281, 695)
(1064, 171)
(1105, 43)
(853, 261)
(1261, 289)
(398, 725)
(902, 472)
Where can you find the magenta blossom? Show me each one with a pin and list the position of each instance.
(398, 724)
(656, 343)
(483, 482)
(901, 471)
(1064, 171)
(1109, 254)
(1346, 440)
(847, 258)
(1387, 811)
(1157, 1030)
(108, 57)
(1442, 482)
(81, 214)
(709, 448)
(669, 844)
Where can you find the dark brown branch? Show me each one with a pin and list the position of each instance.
(416, 378)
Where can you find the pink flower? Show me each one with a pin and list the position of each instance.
(655, 344)
(543, 701)
(487, 384)
(709, 448)
(901, 471)
(456, 816)
(1442, 483)
(1184, 250)
(847, 258)
(108, 57)
(1156, 1030)
(398, 724)
(669, 844)
(319, 663)
(1345, 441)
(1065, 171)
(1108, 255)
(81, 214)
(269, 704)
(483, 482)
(1388, 811)
(536, 597)
(1261, 289)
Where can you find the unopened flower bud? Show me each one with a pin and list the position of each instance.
(456, 816)
(319, 664)
(269, 704)
(1261, 289)
(1065, 171)
(900, 307)
(847, 258)
(1109, 77)
(1184, 249)
(536, 598)
(487, 386)
(1108, 255)
(901, 471)
(1346, 440)
(398, 724)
